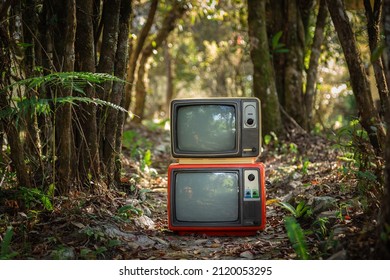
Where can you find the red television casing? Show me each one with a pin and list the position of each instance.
(251, 200)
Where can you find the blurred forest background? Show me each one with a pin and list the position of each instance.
(80, 78)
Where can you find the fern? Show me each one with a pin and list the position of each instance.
(5, 252)
(297, 237)
(74, 80)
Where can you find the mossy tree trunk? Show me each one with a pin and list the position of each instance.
(176, 12)
(86, 140)
(369, 117)
(263, 74)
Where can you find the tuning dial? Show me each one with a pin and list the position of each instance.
(251, 177)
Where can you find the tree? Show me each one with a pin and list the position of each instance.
(263, 76)
(383, 240)
(369, 116)
(373, 14)
(315, 53)
(285, 27)
(62, 129)
(177, 11)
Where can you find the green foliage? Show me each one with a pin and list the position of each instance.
(358, 158)
(76, 81)
(277, 46)
(304, 166)
(139, 146)
(128, 211)
(33, 197)
(320, 226)
(297, 237)
(6, 253)
(301, 210)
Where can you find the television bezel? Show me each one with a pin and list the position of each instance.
(216, 228)
(176, 152)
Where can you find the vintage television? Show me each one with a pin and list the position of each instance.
(215, 128)
(216, 199)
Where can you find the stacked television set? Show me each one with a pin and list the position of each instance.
(216, 187)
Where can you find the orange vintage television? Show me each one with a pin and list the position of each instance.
(216, 198)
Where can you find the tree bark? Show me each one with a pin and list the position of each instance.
(176, 12)
(110, 154)
(263, 76)
(314, 59)
(369, 116)
(111, 11)
(135, 52)
(169, 74)
(373, 14)
(64, 41)
(382, 249)
(293, 88)
(86, 136)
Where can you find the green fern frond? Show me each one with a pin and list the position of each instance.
(74, 80)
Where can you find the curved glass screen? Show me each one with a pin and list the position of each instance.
(206, 128)
(207, 196)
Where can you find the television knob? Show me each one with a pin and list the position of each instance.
(250, 121)
(251, 177)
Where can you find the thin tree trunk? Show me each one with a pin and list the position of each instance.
(314, 59)
(382, 249)
(110, 154)
(135, 52)
(111, 10)
(63, 113)
(169, 75)
(263, 75)
(293, 88)
(176, 12)
(16, 148)
(369, 116)
(86, 135)
(373, 14)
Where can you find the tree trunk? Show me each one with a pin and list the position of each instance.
(383, 239)
(176, 12)
(135, 52)
(313, 63)
(293, 88)
(86, 136)
(263, 76)
(369, 116)
(16, 148)
(110, 154)
(284, 16)
(373, 14)
(111, 11)
(169, 74)
(64, 40)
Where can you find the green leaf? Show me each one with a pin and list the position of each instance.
(275, 39)
(5, 252)
(288, 207)
(297, 237)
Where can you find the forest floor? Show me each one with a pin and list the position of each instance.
(334, 204)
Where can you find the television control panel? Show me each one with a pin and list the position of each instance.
(250, 137)
(251, 185)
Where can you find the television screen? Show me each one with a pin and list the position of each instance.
(207, 197)
(206, 128)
